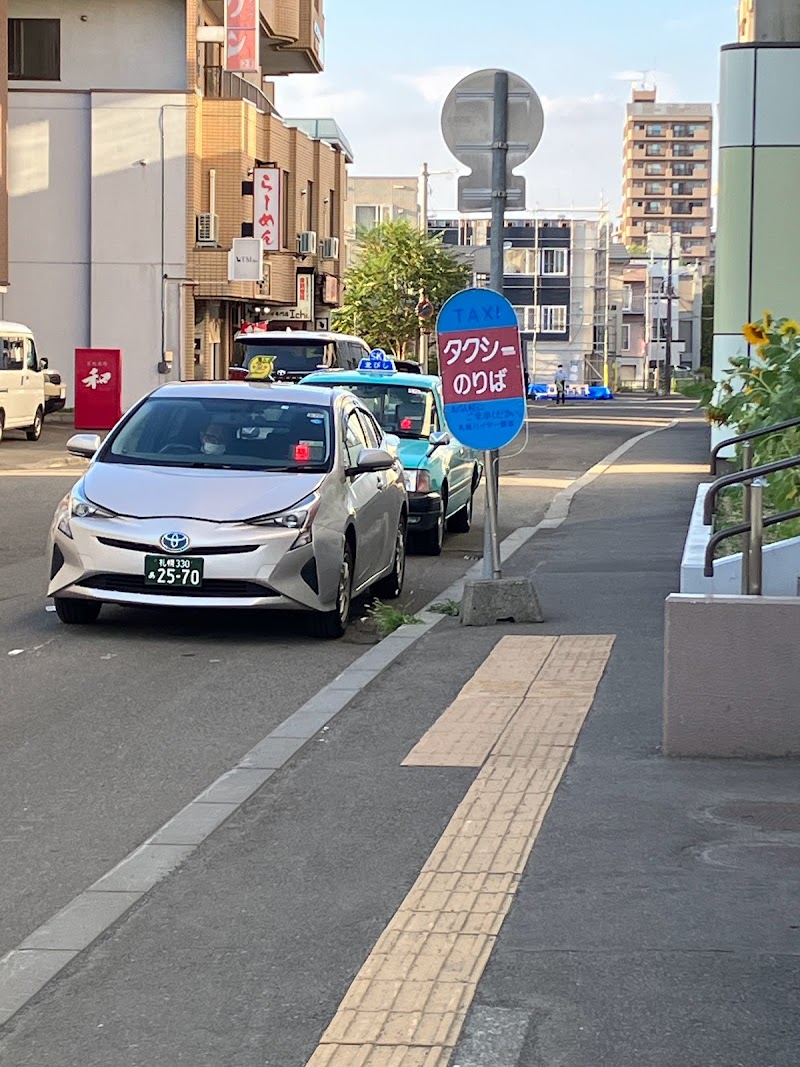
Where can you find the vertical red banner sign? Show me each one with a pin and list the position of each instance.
(98, 388)
(267, 222)
(241, 36)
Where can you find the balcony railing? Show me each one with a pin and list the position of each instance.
(225, 85)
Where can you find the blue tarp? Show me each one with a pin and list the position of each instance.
(593, 392)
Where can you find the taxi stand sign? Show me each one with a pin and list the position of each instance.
(480, 364)
(377, 361)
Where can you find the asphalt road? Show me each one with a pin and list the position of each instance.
(105, 733)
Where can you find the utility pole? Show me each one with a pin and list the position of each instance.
(666, 385)
(423, 337)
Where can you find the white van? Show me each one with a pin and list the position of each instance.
(22, 399)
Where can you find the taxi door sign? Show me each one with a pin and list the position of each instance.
(480, 364)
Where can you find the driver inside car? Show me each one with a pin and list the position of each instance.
(213, 439)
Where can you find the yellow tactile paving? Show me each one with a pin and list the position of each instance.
(408, 1003)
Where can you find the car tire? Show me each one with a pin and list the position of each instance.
(75, 612)
(34, 432)
(461, 522)
(329, 625)
(390, 587)
(431, 542)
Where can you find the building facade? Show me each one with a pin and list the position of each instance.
(373, 200)
(667, 185)
(132, 153)
(769, 20)
(3, 145)
(558, 277)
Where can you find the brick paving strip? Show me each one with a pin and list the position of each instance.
(517, 720)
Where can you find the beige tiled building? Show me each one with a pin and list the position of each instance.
(667, 183)
(3, 146)
(769, 20)
(132, 152)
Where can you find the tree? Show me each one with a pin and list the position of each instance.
(396, 265)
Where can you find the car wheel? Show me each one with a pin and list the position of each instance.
(430, 542)
(34, 432)
(461, 522)
(76, 612)
(390, 587)
(332, 624)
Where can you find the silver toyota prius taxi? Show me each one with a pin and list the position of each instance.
(228, 495)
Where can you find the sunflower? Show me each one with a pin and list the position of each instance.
(754, 334)
(790, 328)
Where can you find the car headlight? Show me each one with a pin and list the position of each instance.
(75, 505)
(418, 481)
(300, 518)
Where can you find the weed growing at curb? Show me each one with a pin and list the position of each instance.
(447, 607)
(388, 618)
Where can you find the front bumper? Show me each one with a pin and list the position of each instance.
(424, 511)
(243, 566)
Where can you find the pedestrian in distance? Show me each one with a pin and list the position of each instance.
(561, 385)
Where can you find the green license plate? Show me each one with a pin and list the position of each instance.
(175, 572)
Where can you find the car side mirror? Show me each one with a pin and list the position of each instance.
(43, 363)
(438, 439)
(371, 460)
(84, 444)
(392, 441)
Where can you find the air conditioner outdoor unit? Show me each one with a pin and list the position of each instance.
(330, 248)
(307, 243)
(207, 228)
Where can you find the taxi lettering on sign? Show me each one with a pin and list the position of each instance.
(480, 362)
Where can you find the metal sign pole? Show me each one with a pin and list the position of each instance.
(491, 545)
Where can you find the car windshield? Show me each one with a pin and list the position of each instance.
(223, 433)
(400, 409)
(263, 357)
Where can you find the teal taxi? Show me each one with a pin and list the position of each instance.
(441, 474)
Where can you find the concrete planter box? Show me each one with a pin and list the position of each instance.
(732, 677)
(781, 573)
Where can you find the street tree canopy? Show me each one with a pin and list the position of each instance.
(396, 264)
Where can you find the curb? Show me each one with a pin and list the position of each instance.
(26, 969)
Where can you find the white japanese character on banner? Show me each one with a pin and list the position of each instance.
(95, 378)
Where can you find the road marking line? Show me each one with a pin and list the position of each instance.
(409, 1001)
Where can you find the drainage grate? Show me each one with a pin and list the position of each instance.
(760, 815)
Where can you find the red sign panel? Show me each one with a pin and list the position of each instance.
(241, 36)
(267, 207)
(98, 388)
(481, 365)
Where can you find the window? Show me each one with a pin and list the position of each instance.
(367, 217)
(679, 149)
(310, 206)
(655, 150)
(684, 130)
(354, 438)
(553, 261)
(11, 353)
(34, 49)
(405, 411)
(655, 130)
(658, 330)
(652, 227)
(682, 226)
(30, 354)
(654, 168)
(285, 209)
(371, 431)
(552, 318)
(526, 317)
(681, 207)
(628, 299)
(683, 170)
(332, 220)
(653, 188)
(626, 337)
(654, 207)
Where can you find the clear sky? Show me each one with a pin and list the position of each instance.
(390, 65)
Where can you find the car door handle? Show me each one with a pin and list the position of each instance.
(381, 484)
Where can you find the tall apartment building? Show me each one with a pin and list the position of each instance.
(667, 174)
(769, 20)
(3, 145)
(132, 151)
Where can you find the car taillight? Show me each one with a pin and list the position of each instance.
(237, 374)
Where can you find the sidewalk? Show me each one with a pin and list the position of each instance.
(649, 929)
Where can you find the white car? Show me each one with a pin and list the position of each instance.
(229, 495)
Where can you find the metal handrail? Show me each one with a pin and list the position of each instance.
(751, 435)
(743, 528)
(738, 478)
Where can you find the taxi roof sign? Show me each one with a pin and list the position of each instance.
(377, 360)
